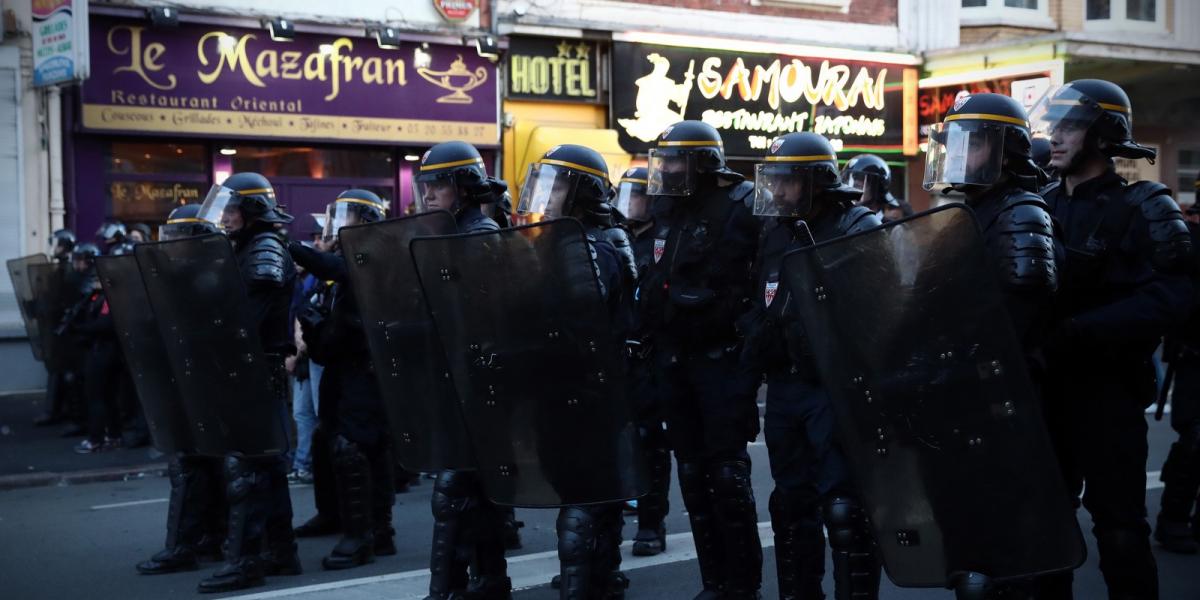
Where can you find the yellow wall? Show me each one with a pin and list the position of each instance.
(527, 115)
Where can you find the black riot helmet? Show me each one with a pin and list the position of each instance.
(1097, 106)
(447, 175)
(568, 181)
(250, 194)
(982, 138)
(686, 156)
(632, 201)
(62, 241)
(799, 173)
(1041, 152)
(111, 233)
(352, 207)
(143, 230)
(84, 257)
(184, 222)
(873, 176)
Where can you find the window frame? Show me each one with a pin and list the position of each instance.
(1118, 21)
(996, 13)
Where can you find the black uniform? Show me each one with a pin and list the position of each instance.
(697, 286)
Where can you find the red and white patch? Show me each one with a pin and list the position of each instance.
(660, 246)
(666, 132)
(961, 99)
(776, 144)
(769, 292)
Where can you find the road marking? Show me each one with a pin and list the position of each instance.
(526, 571)
(124, 504)
(1153, 481)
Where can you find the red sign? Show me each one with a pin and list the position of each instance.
(455, 10)
(934, 103)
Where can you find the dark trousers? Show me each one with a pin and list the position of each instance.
(101, 377)
(1095, 414)
(799, 429)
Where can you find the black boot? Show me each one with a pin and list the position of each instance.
(183, 522)
(490, 581)
(971, 586)
(327, 521)
(357, 546)
(737, 521)
(856, 566)
(799, 544)
(608, 582)
(449, 554)
(576, 548)
(512, 528)
(245, 490)
(651, 537)
(383, 497)
(281, 557)
(693, 483)
(1181, 482)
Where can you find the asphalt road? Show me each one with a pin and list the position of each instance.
(82, 541)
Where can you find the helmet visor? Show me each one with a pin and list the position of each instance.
(1066, 108)
(632, 200)
(343, 212)
(547, 190)
(782, 190)
(219, 201)
(671, 173)
(435, 193)
(175, 229)
(966, 152)
(874, 192)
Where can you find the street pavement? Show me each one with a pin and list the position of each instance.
(81, 541)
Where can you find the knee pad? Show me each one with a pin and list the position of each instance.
(346, 452)
(844, 518)
(693, 484)
(731, 480)
(240, 479)
(576, 534)
(793, 507)
(451, 497)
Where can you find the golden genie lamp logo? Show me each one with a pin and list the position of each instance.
(457, 79)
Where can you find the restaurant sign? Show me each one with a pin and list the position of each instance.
(224, 81)
(935, 102)
(752, 98)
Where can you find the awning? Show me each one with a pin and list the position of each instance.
(533, 140)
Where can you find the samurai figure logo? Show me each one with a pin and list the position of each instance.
(656, 93)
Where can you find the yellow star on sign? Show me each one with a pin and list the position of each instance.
(564, 49)
(581, 51)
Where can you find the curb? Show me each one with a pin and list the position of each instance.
(42, 479)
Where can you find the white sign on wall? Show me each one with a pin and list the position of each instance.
(60, 41)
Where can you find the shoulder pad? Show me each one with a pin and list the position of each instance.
(1050, 188)
(858, 218)
(267, 259)
(1171, 244)
(1025, 243)
(742, 192)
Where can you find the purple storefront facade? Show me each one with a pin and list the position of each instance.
(169, 111)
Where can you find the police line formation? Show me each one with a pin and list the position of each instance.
(940, 386)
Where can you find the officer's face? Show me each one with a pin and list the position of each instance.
(558, 197)
(440, 195)
(1066, 143)
(787, 191)
(136, 236)
(80, 265)
(673, 165)
(979, 153)
(231, 219)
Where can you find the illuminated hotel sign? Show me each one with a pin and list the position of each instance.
(203, 80)
(552, 69)
(752, 98)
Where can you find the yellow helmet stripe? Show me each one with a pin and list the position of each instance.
(185, 220)
(1104, 105)
(360, 201)
(267, 191)
(988, 117)
(801, 158)
(632, 180)
(576, 166)
(455, 163)
(690, 143)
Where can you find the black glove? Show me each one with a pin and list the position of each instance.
(488, 191)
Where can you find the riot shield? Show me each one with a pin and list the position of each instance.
(538, 370)
(935, 409)
(421, 404)
(145, 353)
(22, 281)
(56, 294)
(199, 300)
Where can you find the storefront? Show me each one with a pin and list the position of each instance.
(555, 96)
(864, 102)
(170, 110)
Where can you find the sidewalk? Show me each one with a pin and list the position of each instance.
(37, 456)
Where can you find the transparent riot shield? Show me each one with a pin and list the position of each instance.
(145, 353)
(55, 295)
(427, 427)
(935, 409)
(22, 281)
(199, 300)
(539, 371)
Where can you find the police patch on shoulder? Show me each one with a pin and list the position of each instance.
(660, 245)
(769, 292)
(961, 99)
(776, 144)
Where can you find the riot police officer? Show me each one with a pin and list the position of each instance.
(59, 376)
(62, 241)
(1122, 286)
(195, 509)
(699, 282)
(802, 200)
(634, 205)
(873, 176)
(352, 408)
(983, 150)
(114, 238)
(468, 529)
(244, 207)
(91, 327)
(572, 181)
(1181, 471)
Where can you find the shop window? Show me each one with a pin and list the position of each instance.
(1187, 170)
(151, 159)
(1014, 13)
(1125, 15)
(314, 163)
